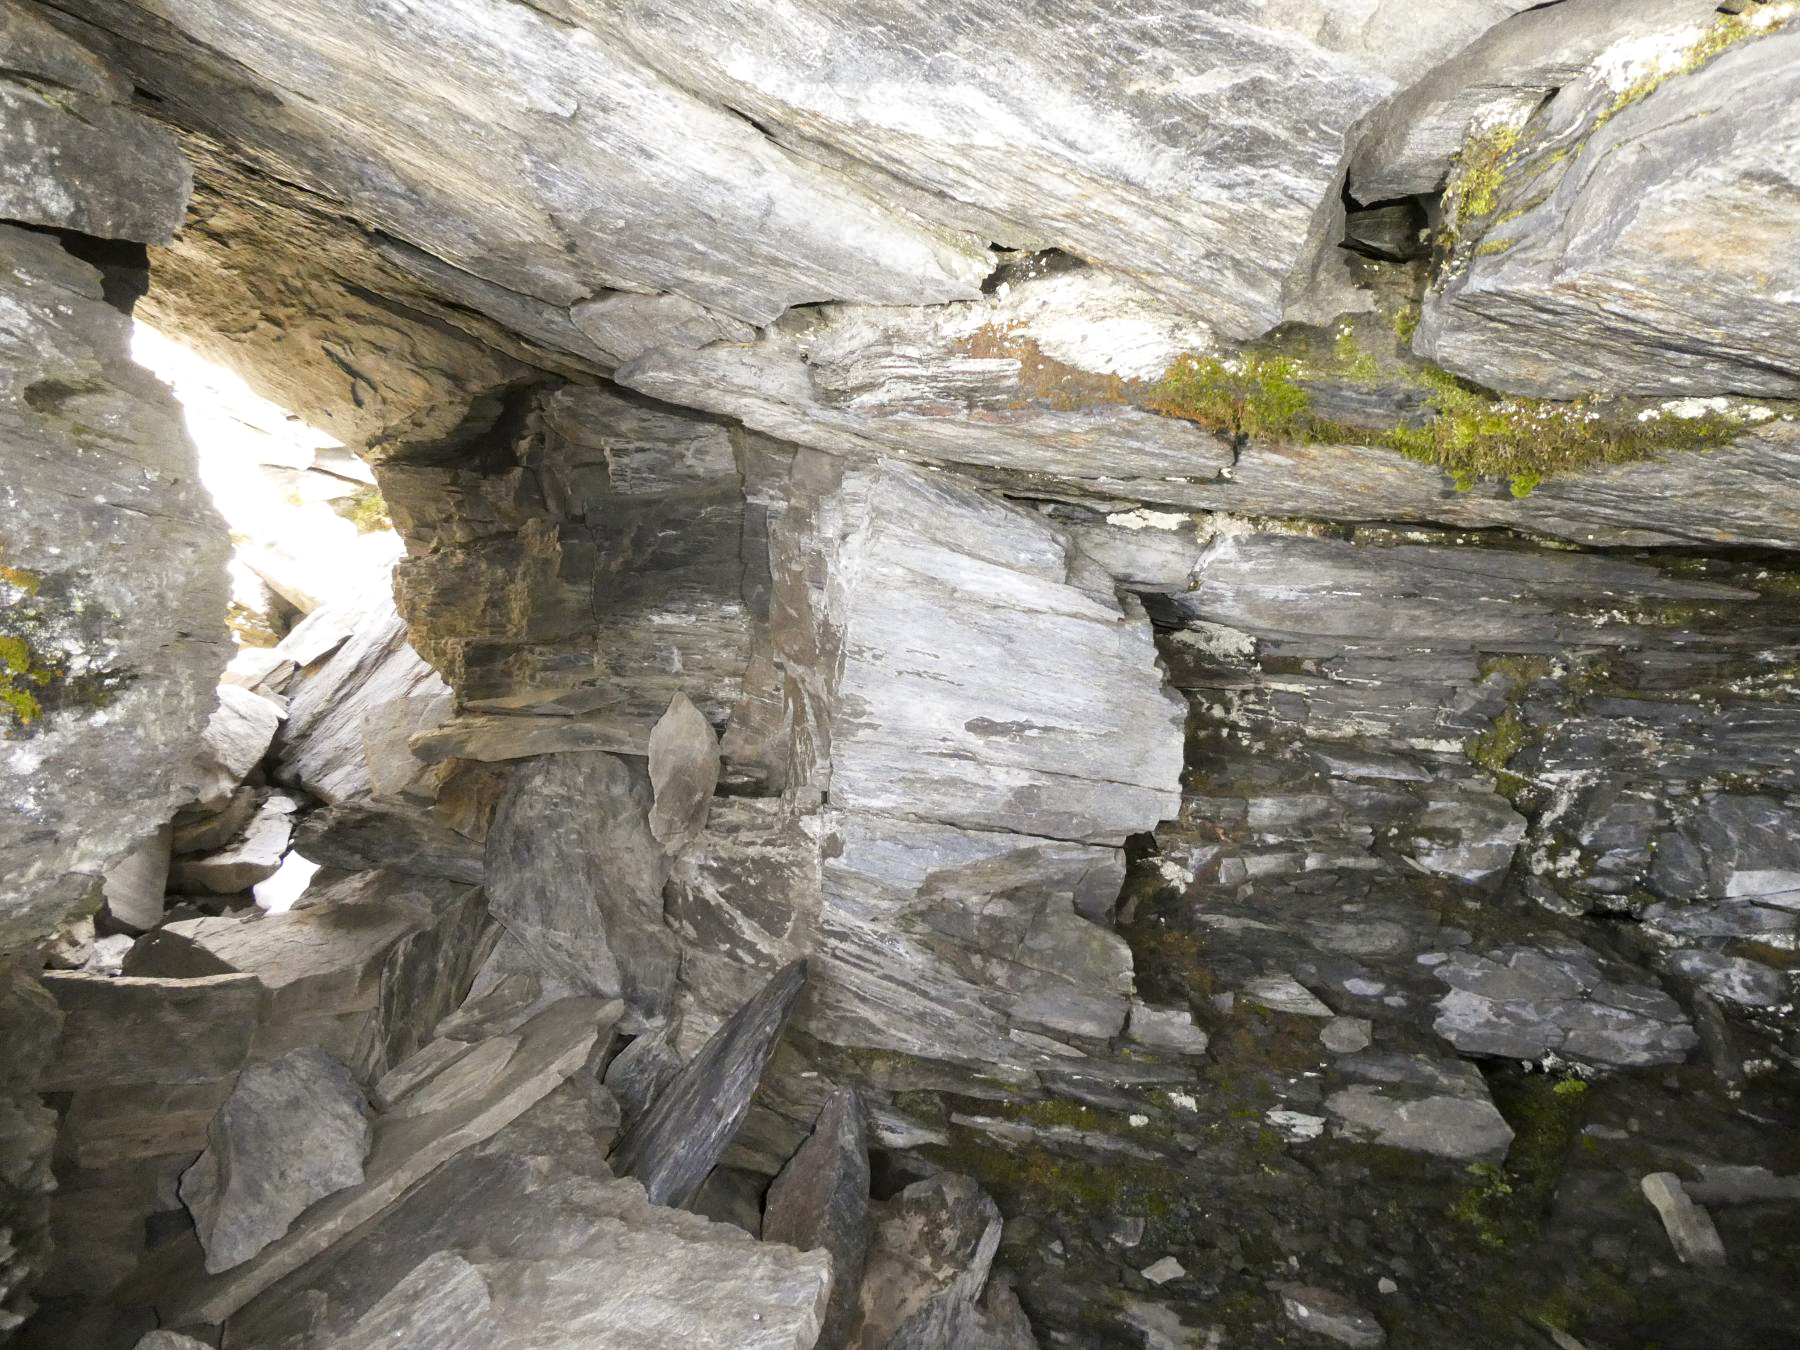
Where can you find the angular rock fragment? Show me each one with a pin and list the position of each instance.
(1690, 1228)
(1735, 979)
(576, 877)
(405, 1151)
(322, 746)
(930, 1252)
(684, 770)
(201, 829)
(821, 1199)
(527, 1242)
(236, 739)
(1440, 1107)
(357, 835)
(1524, 1002)
(689, 1126)
(292, 1132)
(639, 1073)
(253, 856)
(134, 889)
(365, 971)
(1327, 1313)
(1170, 1029)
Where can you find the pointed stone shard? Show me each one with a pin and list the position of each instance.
(821, 1199)
(293, 1131)
(684, 770)
(687, 1130)
(1690, 1228)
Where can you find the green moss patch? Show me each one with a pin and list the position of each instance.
(1471, 434)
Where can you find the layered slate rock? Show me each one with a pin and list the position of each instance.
(405, 1151)
(575, 117)
(576, 877)
(930, 1252)
(145, 1064)
(1054, 373)
(585, 556)
(1526, 1002)
(689, 1125)
(1580, 291)
(365, 970)
(293, 1131)
(114, 590)
(1411, 144)
(1218, 221)
(29, 1025)
(1028, 380)
(360, 692)
(528, 1242)
(821, 1200)
(76, 156)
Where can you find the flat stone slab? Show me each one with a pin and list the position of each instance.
(690, 1124)
(551, 1047)
(122, 1029)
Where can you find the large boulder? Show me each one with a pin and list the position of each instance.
(1668, 211)
(293, 1131)
(112, 634)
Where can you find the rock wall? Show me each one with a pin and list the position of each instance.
(1149, 651)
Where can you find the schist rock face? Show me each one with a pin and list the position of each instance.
(1053, 675)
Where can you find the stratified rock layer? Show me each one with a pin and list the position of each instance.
(114, 585)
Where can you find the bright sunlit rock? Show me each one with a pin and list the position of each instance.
(275, 480)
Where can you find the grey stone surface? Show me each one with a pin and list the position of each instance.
(252, 856)
(1524, 1002)
(365, 970)
(1439, 1107)
(237, 737)
(1500, 77)
(76, 156)
(597, 566)
(115, 578)
(30, 1025)
(292, 1132)
(1327, 1313)
(362, 835)
(322, 747)
(930, 1252)
(684, 770)
(1690, 1228)
(639, 1073)
(821, 1200)
(688, 1127)
(127, 1030)
(528, 1242)
(1165, 1029)
(1027, 380)
(134, 888)
(404, 1152)
(1735, 979)
(576, 877)
(1566, 308)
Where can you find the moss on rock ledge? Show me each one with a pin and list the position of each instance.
(1469, 433)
